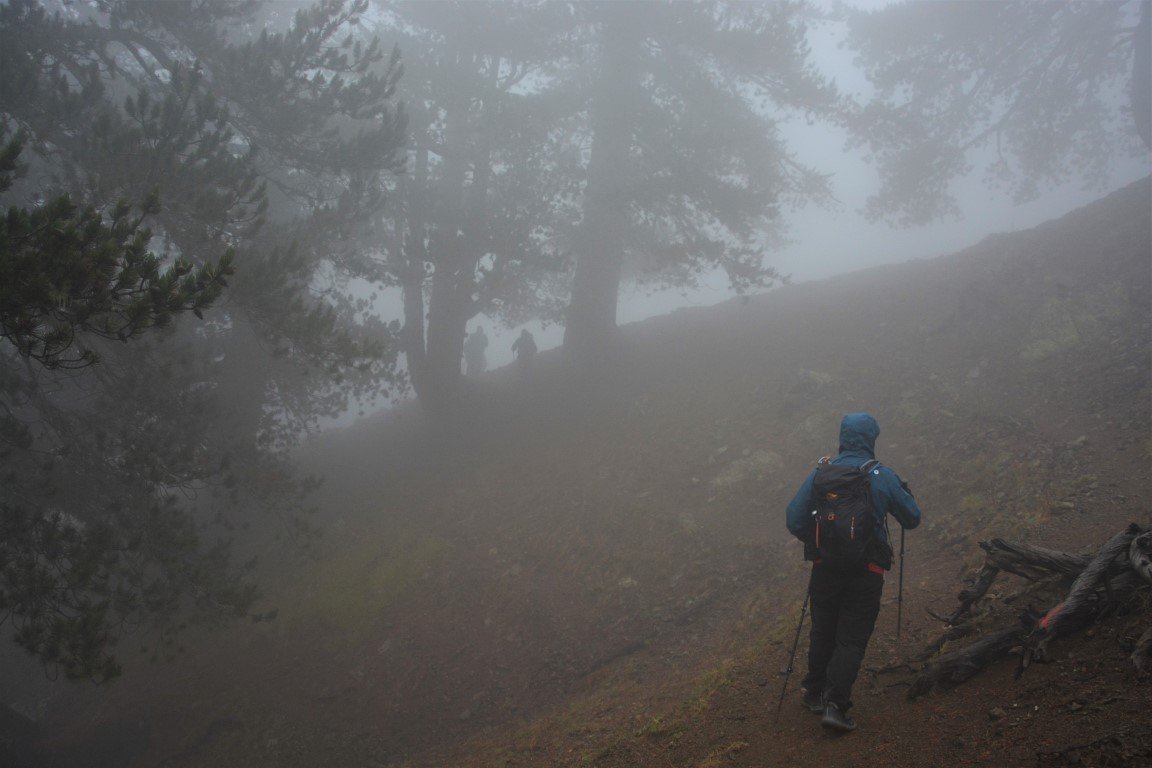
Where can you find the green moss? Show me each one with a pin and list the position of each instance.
(348, 593)
(655, 728)
(724, 755)
(1053, 329)
(1061, 324)
(1108, 302)
(973, 502)
(709, 683)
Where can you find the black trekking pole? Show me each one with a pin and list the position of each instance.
(795, 645)
(900, 591)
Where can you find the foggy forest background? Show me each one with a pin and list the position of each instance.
(231, 222)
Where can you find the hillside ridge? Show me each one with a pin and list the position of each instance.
(600, 576)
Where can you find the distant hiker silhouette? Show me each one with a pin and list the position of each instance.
(840, 513)
(475, 360)
(524, 348)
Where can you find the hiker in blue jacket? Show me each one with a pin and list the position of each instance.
(845, 599)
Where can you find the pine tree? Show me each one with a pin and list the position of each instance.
(68, 272)
(1032, 94)
(686, 170)
(462, 236)
(125, 482)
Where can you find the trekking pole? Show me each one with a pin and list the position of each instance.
(795, 645)
(900, 591)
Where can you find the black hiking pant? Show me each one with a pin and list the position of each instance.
(845, 605)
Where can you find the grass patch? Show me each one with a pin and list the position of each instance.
(724, 755)
(710, 682)
(349, 592)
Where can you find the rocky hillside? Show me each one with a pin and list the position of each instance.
(599, 575)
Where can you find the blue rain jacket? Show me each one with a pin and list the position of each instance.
(858, 433)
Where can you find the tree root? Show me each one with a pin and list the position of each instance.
(1104, 584)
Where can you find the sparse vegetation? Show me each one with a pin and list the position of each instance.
(351, 591)
(584, 595)
(583, 563)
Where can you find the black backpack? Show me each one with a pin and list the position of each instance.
(845, 520)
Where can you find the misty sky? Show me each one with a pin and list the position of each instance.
(829, 242)
(824, 242)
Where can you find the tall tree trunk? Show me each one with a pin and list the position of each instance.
(408, 245)
(412, 334)
(445, 343)
(1142, 74)
(591, 322)
(435, 348)
(447, 318)
(243, 384)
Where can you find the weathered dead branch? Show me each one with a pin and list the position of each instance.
(1140, 555)
(1142, 654)
(1024, 560)
(1104, 583)
(979, 588)
(1083, 603)
(950, 670)
(952, 633)
(1031, 562)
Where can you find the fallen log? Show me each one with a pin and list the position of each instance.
(950, 634)
(1104, 583)
(1024, 560)
(968, 597)
(1083, 602)
(950, 670)
(1142, 655)
(1140, 555)
(1031, 562)
(953, 668)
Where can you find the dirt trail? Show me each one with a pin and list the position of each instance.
(604, 579)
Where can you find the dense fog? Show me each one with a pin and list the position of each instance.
(236, 228)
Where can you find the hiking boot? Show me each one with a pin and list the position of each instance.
(813, 701)
(837, 719)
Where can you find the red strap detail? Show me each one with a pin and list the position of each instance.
(875, 568)
(1051, 615)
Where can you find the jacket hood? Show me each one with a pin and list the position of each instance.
(858, 432)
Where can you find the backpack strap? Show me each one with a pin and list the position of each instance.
(864, 468)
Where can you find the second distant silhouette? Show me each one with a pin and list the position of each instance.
(475, 359)
(524, 348)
